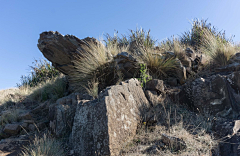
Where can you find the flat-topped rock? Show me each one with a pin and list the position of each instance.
(12, 129)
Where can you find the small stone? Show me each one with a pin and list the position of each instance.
(155, 85)
(173, 142)
(12, 129)
(41, 125)
(172, 81)
(25, 116)
(236, 127)
(24, 125)
(31, 127)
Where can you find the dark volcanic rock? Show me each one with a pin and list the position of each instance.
(216, 95)
(62, 50)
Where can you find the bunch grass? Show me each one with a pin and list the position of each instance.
(218, 50)
(45, 145)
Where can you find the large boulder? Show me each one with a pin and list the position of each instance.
(216, 95)
(102, 126)
(62, 50)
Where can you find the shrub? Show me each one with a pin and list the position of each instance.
(142, 38)
(115, 40)
(144, 77)
(42, 70)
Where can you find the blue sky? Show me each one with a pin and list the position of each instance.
(21, 22)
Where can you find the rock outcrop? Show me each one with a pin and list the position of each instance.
(155, 92)
(61, 114)
(62, 50)
(103, 125)
(126, 64)
(217, 95)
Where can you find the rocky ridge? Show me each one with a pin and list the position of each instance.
(103, 126)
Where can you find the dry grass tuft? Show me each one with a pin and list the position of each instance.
(158, 65)
(220, 51)
(172, 45)
(9, 97)
(50, 90)
(44, 146)
(175, 121)
(92, 88)
(199, 144)
(10, 115)
(96, 61)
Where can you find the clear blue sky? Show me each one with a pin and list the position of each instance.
(21, 22)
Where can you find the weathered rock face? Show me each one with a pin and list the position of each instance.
(216, 95)
(62, 50)
(230, 146)
(12, 129)
(225, 127)
(228, 131)
(62, 113)
(155, 91)
(103, 125)
(126, 63)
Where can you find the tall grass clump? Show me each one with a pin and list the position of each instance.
(95, 62)
(219, 50)
(41, 71)
(139, 36)
(9, 116)
(174, 45)
(44, 146)
(171, 45)
(116, 40)
(194, 36)
(159, 66)
(142, 37)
